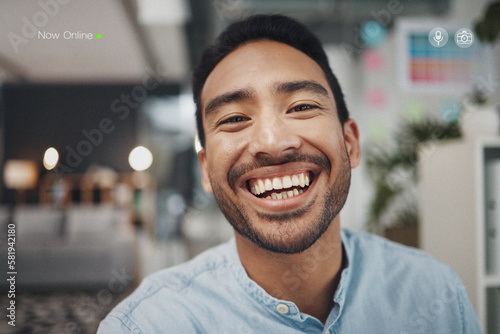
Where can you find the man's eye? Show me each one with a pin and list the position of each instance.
(303, 107)
(234, 119)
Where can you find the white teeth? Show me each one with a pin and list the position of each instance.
(277, 183)
(287, 182)
(254, 190)
(285, 194)
(260, 184)
(302, 181)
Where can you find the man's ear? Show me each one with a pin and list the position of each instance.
(351, 138)
(205, 180)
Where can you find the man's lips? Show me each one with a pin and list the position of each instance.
(280, 187)
(279, 182)
(267, 167)
(288, 198)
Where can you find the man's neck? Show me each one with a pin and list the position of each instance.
(309, 279)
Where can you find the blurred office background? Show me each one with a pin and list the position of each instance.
(99, 172)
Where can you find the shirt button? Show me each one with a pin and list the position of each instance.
(282, 308)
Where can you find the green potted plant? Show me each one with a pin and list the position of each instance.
(479, 117)
(393, 210)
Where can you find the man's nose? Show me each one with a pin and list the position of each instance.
(273, 137)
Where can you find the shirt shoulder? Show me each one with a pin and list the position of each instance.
(170, 297)
(369, 250)
(405, 280)
(395, 265)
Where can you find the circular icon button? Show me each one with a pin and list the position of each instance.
(464, 38)
(438, 37)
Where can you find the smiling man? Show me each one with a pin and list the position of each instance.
(278, 148)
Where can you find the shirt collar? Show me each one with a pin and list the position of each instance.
(262, 297)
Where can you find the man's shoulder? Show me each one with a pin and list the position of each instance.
(181, 276)
(407, 281)
(397, 269)
(370, 251)
(365, 244)
(165, 293)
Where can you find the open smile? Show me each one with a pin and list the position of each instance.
(281, 187)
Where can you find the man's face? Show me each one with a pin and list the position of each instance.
(276, 157)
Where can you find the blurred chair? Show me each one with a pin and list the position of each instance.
(82, 246)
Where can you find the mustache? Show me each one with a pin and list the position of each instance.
(237, 171)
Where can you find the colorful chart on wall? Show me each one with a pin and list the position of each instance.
(455, 66)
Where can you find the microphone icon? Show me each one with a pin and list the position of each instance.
(438, 37)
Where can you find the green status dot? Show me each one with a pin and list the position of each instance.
(98, 36)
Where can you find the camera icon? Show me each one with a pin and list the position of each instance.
(464, 38)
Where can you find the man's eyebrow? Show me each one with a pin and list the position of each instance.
(235, 96)
(295, 86)
(279, 88)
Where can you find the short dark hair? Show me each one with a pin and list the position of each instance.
(277, 28)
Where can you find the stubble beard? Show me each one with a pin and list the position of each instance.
(288, 235)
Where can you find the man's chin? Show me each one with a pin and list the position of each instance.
(286, 216)
(294, 231)
(282, 236)
(285, 245)
(286, 232)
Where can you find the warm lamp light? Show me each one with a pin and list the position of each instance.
(20, 175)
(50, 158)
(140, 158)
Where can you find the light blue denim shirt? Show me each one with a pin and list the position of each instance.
(385, 289)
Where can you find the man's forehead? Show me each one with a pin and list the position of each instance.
(261, 63)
